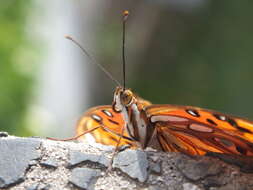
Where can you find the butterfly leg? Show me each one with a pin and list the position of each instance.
(91, 130)
(76, 137)
(115, 150)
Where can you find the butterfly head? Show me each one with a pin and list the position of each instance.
(123, 98)
(132, 108)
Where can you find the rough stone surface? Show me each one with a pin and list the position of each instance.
(198, 168)
(51, 163)
(190, 186)
(15, 156)
(45, 165)
(79, 157)
(245, 163)
(155, 167)
(132, 162)
(84, 178)
(32, 187)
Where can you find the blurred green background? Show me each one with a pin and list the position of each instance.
(15, 82)
(197, 53)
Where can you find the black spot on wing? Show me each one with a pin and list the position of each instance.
(211, 121)
(243, 129)
(114, 122)
(232, 122)
(241, 150)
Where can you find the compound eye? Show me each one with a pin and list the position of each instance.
(126, 97)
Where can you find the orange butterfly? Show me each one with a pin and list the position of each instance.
(131, 120)
(171, 128)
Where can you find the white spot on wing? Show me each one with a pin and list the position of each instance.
(222, 117)
(108, 113)
(192, 112)
(96, 117)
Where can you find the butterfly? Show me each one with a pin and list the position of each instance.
(170, 128)
(138, 123)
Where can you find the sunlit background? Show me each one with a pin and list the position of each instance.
(188, 52)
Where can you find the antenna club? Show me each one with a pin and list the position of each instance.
(125, 15)
(68, 37)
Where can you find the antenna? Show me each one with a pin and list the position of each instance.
(125, 16)
(93, 60)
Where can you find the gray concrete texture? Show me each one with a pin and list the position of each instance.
(40, 164)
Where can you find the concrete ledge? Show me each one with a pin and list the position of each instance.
(36, 164)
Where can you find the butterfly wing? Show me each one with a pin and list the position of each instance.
(111, 126)
(197, 131)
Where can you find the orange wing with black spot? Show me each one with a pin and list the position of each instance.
(110, 122)
(196, 131)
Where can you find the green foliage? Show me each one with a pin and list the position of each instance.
(201, 58)
(14, 84)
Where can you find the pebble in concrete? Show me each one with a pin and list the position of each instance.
(132, 162)
(79, 157)
(154, 187)
(84, 178)
(190, 186)
(15, 157)
(39, 186)
(155, 168)
(33, 187)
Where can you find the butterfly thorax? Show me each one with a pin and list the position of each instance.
(132, 109)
